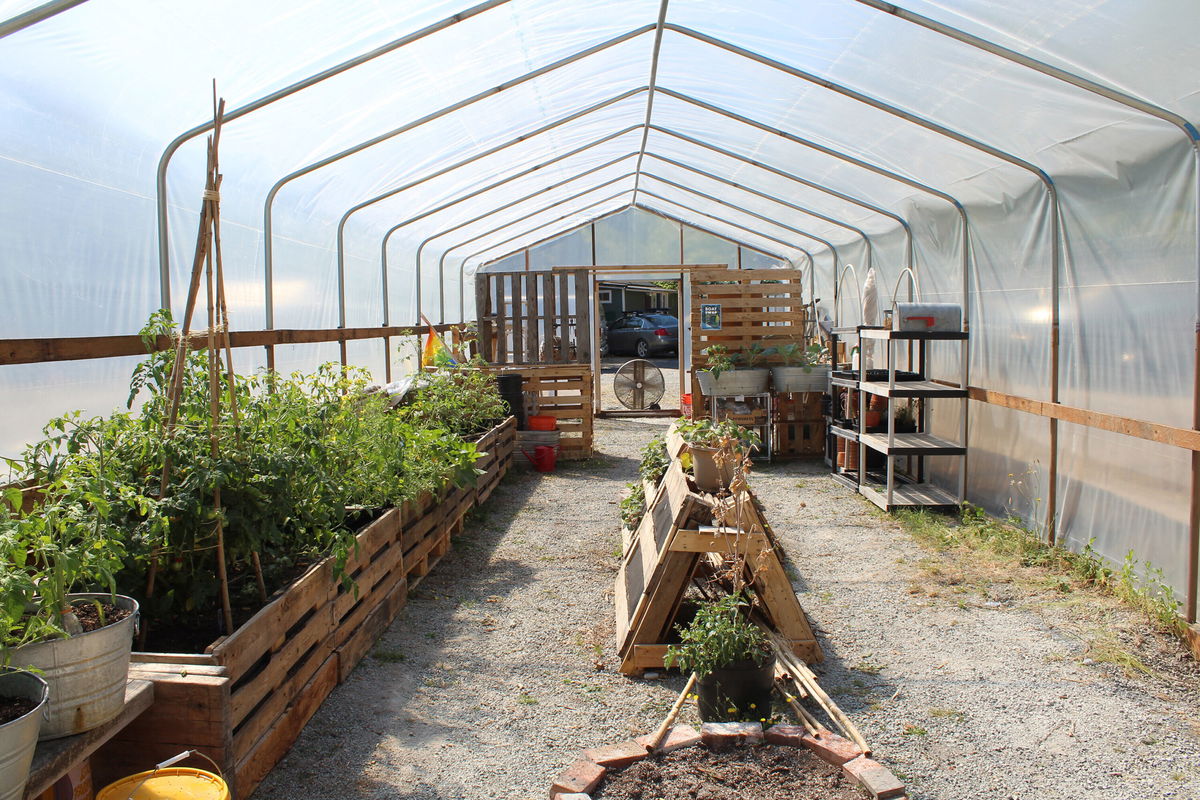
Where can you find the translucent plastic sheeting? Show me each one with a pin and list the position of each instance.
(1141, 48)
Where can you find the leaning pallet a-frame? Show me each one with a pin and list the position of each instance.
(683, 534)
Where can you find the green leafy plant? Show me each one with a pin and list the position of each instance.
(753, 355)
(654, 460)
(706, 433)
(719, 360)
(633, 506)
(719, 635)
(464, 401)
(795, 354)
(906, 415)
(301, 451)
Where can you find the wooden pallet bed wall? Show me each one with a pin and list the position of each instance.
(245, 701)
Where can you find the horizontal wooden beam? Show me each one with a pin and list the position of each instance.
(1186, 438)
(719, 542)
(642, 268)
(78, 348)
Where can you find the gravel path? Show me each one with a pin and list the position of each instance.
(502, 665)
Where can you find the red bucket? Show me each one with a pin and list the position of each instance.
(543, 422)
(544, 458)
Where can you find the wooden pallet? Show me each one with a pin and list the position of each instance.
(676, 537)
(562, 391)
(246, 700)
(769, 314)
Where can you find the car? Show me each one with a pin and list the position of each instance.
(644, 334)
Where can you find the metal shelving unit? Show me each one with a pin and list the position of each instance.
(763, 401)
(890, 487)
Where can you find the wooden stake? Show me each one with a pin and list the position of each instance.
(661, 733)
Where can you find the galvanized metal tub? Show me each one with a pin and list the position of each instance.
(734, 381)
(86, 673)
(800, 379)
(19, 738)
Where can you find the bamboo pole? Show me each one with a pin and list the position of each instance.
(807, 679)
(661, 733)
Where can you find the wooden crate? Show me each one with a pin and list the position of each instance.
(562, 391)
(799, 428)
(245, 701)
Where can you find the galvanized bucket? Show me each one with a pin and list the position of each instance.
(86, 673)
(797, 379)
(19, 738)
(734, 381)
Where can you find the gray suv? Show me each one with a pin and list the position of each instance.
(644, 334)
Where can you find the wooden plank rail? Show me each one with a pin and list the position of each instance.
(245, 702)
(77, 348)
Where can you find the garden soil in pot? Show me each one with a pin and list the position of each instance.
(750, 773)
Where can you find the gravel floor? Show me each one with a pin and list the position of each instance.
(502, 665)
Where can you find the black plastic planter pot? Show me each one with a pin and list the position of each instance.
(739, 692)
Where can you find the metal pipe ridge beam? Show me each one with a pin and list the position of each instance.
(558, 234)
(658, 32)
(462, 289)
(164, 248)
(499, 88)
(602, 217)
(35, 15)
(543, 209)
(609, 163)
(730, 154)
(490, 212)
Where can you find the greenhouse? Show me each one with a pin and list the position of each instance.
(618, 399)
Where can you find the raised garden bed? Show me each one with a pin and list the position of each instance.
(246, 698)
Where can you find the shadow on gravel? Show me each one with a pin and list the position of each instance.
(855, 687)
(380, 694)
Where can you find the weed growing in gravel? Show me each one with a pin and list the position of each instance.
(1144, 589)
(867, 666)
(526, 699)
(915, 730)
(948, 713)
(388, 656)
(1104, 647)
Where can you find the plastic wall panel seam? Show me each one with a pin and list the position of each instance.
(164, 253)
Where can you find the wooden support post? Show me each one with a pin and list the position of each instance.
(1193, 586)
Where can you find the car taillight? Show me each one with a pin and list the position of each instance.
(661, 332)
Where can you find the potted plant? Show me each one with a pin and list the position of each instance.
(722, 378)
(732, 660)
(23, 698)
(905, 418)
(802, 370)
(73, 538)
(716, 448)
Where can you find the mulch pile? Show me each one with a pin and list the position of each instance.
(746, 773)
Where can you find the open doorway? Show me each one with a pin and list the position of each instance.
(640, 316)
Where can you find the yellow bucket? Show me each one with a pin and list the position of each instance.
(173, 783)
